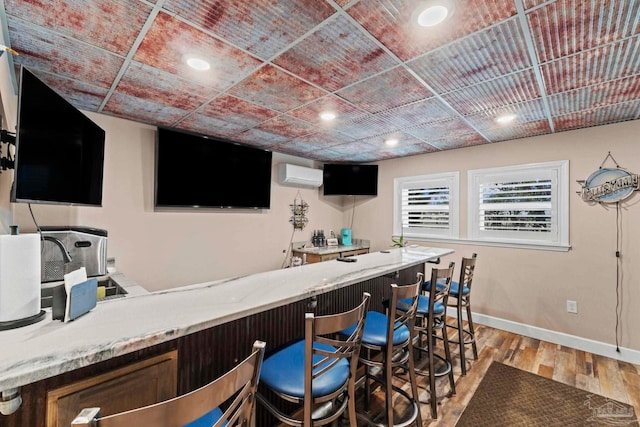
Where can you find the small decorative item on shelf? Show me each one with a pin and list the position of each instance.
(299, 210)
(399, 242)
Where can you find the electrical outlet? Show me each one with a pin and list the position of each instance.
(572, 306)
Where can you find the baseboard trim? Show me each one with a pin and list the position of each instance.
(572, 341)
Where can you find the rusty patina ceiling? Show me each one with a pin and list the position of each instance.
(276, 65)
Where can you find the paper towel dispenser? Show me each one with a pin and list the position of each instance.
(85, 246)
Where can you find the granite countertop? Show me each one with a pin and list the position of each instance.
(140, 320)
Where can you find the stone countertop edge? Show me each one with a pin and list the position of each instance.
(325, 250)
(141, 320)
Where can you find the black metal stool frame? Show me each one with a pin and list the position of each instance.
(394, 357)
(463, 303)
(428, 327)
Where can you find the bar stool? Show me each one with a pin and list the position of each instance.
(431, 318)
(461, 291)
(202, 407)
(395, 327)
(319, 371)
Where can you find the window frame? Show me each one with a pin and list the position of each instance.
(556, 171)
(452, 180)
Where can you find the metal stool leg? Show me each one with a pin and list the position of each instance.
(447, 353)
(472, 331)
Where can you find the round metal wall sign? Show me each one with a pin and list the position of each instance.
(609, 185)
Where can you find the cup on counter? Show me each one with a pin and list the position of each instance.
(296, 261)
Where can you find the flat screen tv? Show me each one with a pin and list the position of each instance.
(195, 171)
(341, 179)
(59, 151)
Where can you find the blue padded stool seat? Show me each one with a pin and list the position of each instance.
(375, 330)
(453, 289)
(208, 419)
(423, 306)
(283, 371)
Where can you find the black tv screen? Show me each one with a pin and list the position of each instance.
(205, 172)
(59, 150)
(341, 179)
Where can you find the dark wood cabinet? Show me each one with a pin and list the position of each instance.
(137, 384)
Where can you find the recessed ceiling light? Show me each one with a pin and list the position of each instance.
(506, 118)
(391, 142)
(327, 115)
(434, 12)
(198, 64)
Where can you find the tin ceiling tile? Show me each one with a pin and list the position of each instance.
(363, 127)
(352, 148)
(145, 82)
(528, 4)
(365, 157)
(596, 96)
(314, 141)
(92, 21)
(379, 141)
(565, 27)
(170, 42)
(518, 130)
(238, 111)
(275, 89)
(460, 141)
(417, 113)
(599, 116)
(444, 129)
(528, 111)
(335, 55)
(393, 22)
(287, 126)
(405, 150)
(328, 155)
(330, 103)
(78, 93)
(385, 91)
(261, 138)
(504, 91)
(294, 149)
(41, 49)
(211, 126)
(146, 111)
(261, 27)
(603, 64)
(491, 53)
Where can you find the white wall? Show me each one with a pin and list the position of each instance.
(532, 286)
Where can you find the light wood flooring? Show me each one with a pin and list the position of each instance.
(602, 375)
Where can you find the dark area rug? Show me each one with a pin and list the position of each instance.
(508, 396)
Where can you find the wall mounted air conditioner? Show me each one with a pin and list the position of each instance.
(299, 176)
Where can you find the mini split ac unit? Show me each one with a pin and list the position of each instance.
(299, 176)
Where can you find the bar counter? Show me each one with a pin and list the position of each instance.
(128, 325)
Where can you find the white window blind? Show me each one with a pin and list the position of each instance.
(521, 204)
(427, 206)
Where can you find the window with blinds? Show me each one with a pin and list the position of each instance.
(520, 204)
(427, 206)
(516, 206)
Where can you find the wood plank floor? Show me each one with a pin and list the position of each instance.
(605, 376)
